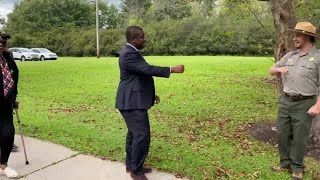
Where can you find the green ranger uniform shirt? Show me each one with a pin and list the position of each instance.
(303, 72)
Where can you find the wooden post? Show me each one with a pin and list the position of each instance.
(97, 29)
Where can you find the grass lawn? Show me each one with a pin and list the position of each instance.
(197, 129)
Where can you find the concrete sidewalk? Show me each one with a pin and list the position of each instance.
(50, 161)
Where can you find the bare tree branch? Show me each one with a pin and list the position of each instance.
(257, 18)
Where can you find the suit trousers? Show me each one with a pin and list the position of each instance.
(294, 125)
(6, 133)
(138, 139)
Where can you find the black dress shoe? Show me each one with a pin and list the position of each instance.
(138, 177)
(145, 170)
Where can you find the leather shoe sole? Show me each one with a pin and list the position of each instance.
(138, 177)
(145, 170)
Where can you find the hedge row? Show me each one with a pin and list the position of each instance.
(193, 36)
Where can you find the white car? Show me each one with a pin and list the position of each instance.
(24, 54)
(45, 54)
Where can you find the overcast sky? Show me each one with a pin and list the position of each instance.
(6, 6)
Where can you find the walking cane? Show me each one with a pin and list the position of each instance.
(21, 133)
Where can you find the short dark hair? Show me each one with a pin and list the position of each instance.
(4, 35)
(132, 32)
(313, 39)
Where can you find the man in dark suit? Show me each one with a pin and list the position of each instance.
(135, 95)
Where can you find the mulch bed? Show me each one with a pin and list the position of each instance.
(267, 132)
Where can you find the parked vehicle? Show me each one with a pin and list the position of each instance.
(45, 54)
(24, 54)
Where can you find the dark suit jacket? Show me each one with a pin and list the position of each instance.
(15, 75)
(136, 88)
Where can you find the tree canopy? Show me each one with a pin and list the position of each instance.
(43, 15)
(172, 26)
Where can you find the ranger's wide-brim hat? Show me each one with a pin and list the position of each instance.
(305, 28)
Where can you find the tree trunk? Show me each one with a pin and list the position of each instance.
(284, 19)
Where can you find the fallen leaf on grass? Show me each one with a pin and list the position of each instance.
(256, 174)
(316, 176)
(222, 172)
(179, 175)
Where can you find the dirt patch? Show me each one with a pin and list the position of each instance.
(68, 110)
(269, 80)
(268, 133)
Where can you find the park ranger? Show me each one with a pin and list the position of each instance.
(299, 103)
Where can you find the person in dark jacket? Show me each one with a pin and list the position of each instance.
(5, 38)
(9, 75)
(135, 96)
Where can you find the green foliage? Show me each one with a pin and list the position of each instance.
(191, 36)
(71, 40)
(41, 15)
(308, 10)
(178, 27)
(243, 9)
(207, 6)
(170, 9)
(135, 8)
(202, 36)
(44, 15)
(113, 18)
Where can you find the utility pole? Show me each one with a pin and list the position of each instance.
(97, 28)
